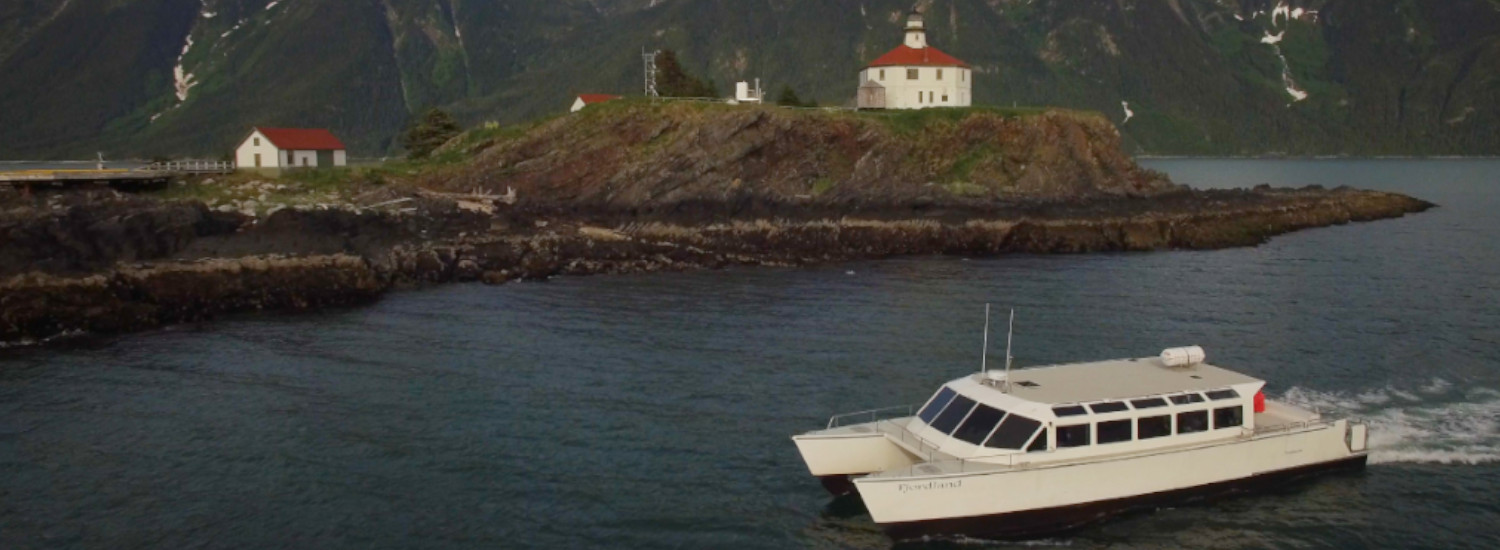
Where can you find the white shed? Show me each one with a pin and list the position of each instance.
(279, 148)
(916, 75)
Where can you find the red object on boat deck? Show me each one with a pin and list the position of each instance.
(1260, 401)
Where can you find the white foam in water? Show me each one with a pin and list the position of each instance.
(1436, 424)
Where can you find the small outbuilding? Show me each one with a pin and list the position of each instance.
(281, 148)
(584, 100)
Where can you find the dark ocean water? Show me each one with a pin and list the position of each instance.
(655, 411)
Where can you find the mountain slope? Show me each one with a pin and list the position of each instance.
(179, 77)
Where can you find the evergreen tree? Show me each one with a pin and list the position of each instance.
(426, 134)
(673, 81)
(788, 98)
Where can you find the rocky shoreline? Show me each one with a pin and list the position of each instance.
(113, 264)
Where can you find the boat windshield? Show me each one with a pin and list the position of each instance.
(1013, 433)
(936, 405)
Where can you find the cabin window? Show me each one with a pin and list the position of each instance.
(1108, 407)
(936, 405)
(1223, 394)
(940, 74)
(963, 76)
(257, 142)
(911, 74)
(1187, 398)
(1149, 403)
(1192, 422)
(1114, 431)
(1070, 410)
(1013, 433)
(979, 425)
(882, 75)
(1153, 426)
(1038, 443)
(1229, 417)
(945, 98)
(954, 414)
(1076, 436)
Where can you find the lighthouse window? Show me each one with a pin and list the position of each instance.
(954, 414)
(1153, 426)
(1222, 395)
(979, 424)
(1229, 417)
(1149, 403)
(1187, 398)
(1114, 431)
(1013, 433)
(911, 74)
(1070, 410)
(936, 405)
(1192, 422)
(1108, 407)
(1073, 436)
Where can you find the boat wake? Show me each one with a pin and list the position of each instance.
(1433, 424)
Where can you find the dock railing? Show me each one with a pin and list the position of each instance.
(872, 415)
(192, 166)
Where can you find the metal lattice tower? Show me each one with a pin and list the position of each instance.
(650, 60)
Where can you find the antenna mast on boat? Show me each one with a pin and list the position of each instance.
(1008, 334)
(984, 357)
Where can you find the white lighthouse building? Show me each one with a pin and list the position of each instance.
(915, 75)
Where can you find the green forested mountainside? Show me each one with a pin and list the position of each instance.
(1239, 77)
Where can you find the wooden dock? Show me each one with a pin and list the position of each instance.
(153, 175)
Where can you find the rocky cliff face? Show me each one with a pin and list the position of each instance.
(635, 187)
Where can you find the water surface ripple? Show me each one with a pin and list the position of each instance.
(654, 411)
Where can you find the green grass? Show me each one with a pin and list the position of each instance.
(822, 186)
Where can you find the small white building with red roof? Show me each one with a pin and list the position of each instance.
(279, 148)
(915, 75)
(584, 100)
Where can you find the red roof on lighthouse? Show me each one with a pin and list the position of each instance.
(590, 99)
(925, 57)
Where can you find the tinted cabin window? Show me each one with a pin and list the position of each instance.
(936, 405)
(955, 413)
(1076, 436)
(1013, 433)
(1149, 403)
(1222, 395)
(1186, 399)
(1229, 417)
(1038, 443)
(1192, 422)
(1114, 431)
(979, 424)
(1074, 410)
(1153, 426)
(1108, 407)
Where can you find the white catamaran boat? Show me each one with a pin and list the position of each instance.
(1048, 449)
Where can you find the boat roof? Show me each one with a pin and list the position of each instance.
(1118, 379)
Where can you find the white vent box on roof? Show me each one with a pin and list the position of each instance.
(1183, 357)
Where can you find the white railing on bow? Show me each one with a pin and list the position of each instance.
(872, 415)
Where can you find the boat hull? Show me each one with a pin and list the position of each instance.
(1051, 521)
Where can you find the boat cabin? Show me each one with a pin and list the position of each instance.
(1089, 409)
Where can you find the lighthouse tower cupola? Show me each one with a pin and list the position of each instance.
(916, 31)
